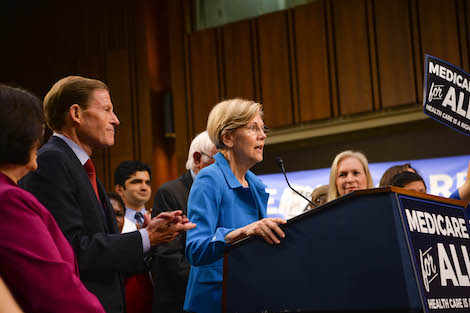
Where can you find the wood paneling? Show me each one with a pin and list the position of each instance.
(126, 141)
(239, 72)
(439, 30)
(395, 53)
(156, 150)
(275, 69)
(92, 67)
(463, 25)
(178, 66)
(438, 33)
(204, 83)
(334, 94)
(322, 60)
(313, 76)
(352, 56)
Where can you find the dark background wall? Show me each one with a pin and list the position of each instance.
(331, 61)
(123, 43)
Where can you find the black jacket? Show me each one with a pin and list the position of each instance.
(61, 184)
(170, 269)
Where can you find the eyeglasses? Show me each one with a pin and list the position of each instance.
(210, 157)
(255, 129)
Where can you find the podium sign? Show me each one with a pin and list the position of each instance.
(447, 94)
(439, 242)
(377, 250)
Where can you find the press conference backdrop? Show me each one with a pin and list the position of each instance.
(442, 176)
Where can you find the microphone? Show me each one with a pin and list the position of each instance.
(280, 163)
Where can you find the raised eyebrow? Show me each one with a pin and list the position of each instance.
(136, 180)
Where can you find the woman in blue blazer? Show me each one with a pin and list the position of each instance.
(227, 201)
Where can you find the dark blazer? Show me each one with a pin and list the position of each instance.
(170, 269)
(61, 184)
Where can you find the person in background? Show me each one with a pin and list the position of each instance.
(80, 113)
(227, 201)
(170, 269)
(119, 208)
(394, 170)
(319, 196)
(37, 263)
(349, 172)
(132, 182)
(410, 181)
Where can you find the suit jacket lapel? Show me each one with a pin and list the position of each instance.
(188, 179)
(111, 223)
(83, 180)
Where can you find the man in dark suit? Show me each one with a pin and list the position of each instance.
(80, 112)
(170, 269)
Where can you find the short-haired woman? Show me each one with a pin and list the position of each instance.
(36, 261)
(227, 201)
(349, 172)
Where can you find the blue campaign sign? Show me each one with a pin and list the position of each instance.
(439, 241)
(447, 94)
(442, 176)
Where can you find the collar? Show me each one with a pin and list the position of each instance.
(193, 175)
(79, 152)
(131, 213)
(232, 181)
(7, 179)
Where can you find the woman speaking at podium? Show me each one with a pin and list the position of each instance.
(227, 201)
(349, 172)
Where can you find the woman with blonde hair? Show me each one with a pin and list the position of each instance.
(349, 172)
(227, 201)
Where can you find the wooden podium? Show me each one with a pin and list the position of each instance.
(353, 254)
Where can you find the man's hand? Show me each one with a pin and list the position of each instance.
(166, 226)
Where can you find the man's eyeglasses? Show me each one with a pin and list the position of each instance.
(255, 129)
(210, 157)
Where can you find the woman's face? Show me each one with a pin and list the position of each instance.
(248, 142)
(32, 164)
(350, 176)
(416, 186)
(119, 212)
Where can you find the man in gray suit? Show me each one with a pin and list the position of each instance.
(170, 269)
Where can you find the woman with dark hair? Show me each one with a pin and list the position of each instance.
(36, 261)
(119, 208)
(410, 181)
(394, 170)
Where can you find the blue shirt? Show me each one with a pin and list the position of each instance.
(130, 214)
(456, 196)
(218, 204)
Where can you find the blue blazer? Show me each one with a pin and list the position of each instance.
(218, 204)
